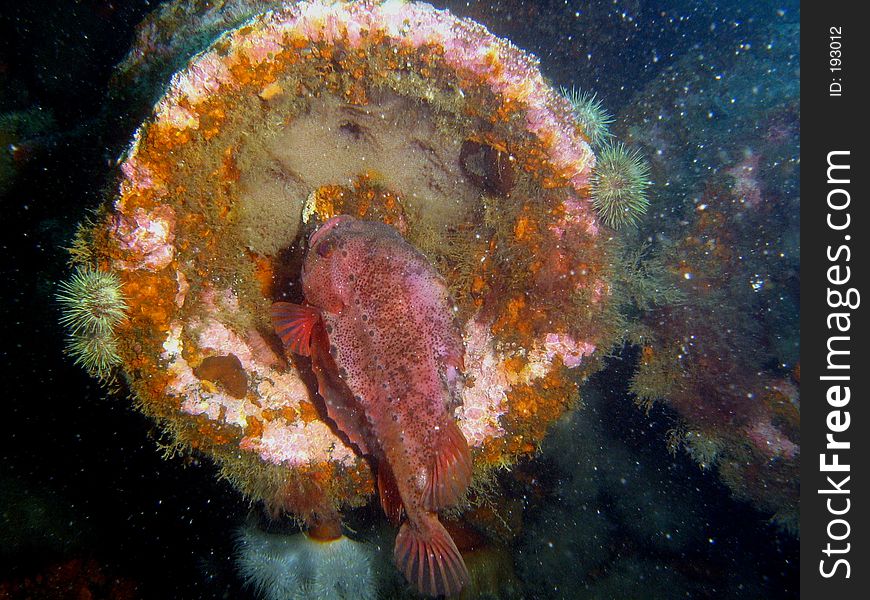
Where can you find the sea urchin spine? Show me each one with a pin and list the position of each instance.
(619, 185)
(92, 306)
(591, 114)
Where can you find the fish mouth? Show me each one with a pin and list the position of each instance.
(326, 228)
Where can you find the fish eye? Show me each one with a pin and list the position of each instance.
(325, 248)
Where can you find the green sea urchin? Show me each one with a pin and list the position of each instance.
(91, 302)
(591, 115)
(92, 306)
(619, 184)
(96, 352)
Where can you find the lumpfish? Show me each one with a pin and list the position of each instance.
(379, 326)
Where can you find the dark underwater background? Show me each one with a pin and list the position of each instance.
(89, 508)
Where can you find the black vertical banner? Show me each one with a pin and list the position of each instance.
(835, 58)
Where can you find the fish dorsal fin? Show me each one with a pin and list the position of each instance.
(388, 492)
(450, 471)
(342, 408)
(295, 324)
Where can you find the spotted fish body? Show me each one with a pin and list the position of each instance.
(380, 328)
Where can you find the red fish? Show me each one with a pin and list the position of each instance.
(379, 326)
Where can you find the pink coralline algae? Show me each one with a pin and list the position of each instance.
(571, 351)
(485, 401)
(146, 237)
(276, 390)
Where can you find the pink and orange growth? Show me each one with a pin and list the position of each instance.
(529, 268)
(366, 198)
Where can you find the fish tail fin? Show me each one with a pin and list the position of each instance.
(450, 469)
(427, 556)
(295, 324)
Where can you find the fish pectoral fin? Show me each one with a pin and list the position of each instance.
(295, 325)
(341, 406)
(429, 559)
(388, 492)
(450, 472)
(302, 331)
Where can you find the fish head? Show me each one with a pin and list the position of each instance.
(330, 263)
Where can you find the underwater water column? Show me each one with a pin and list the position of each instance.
(391, 111)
